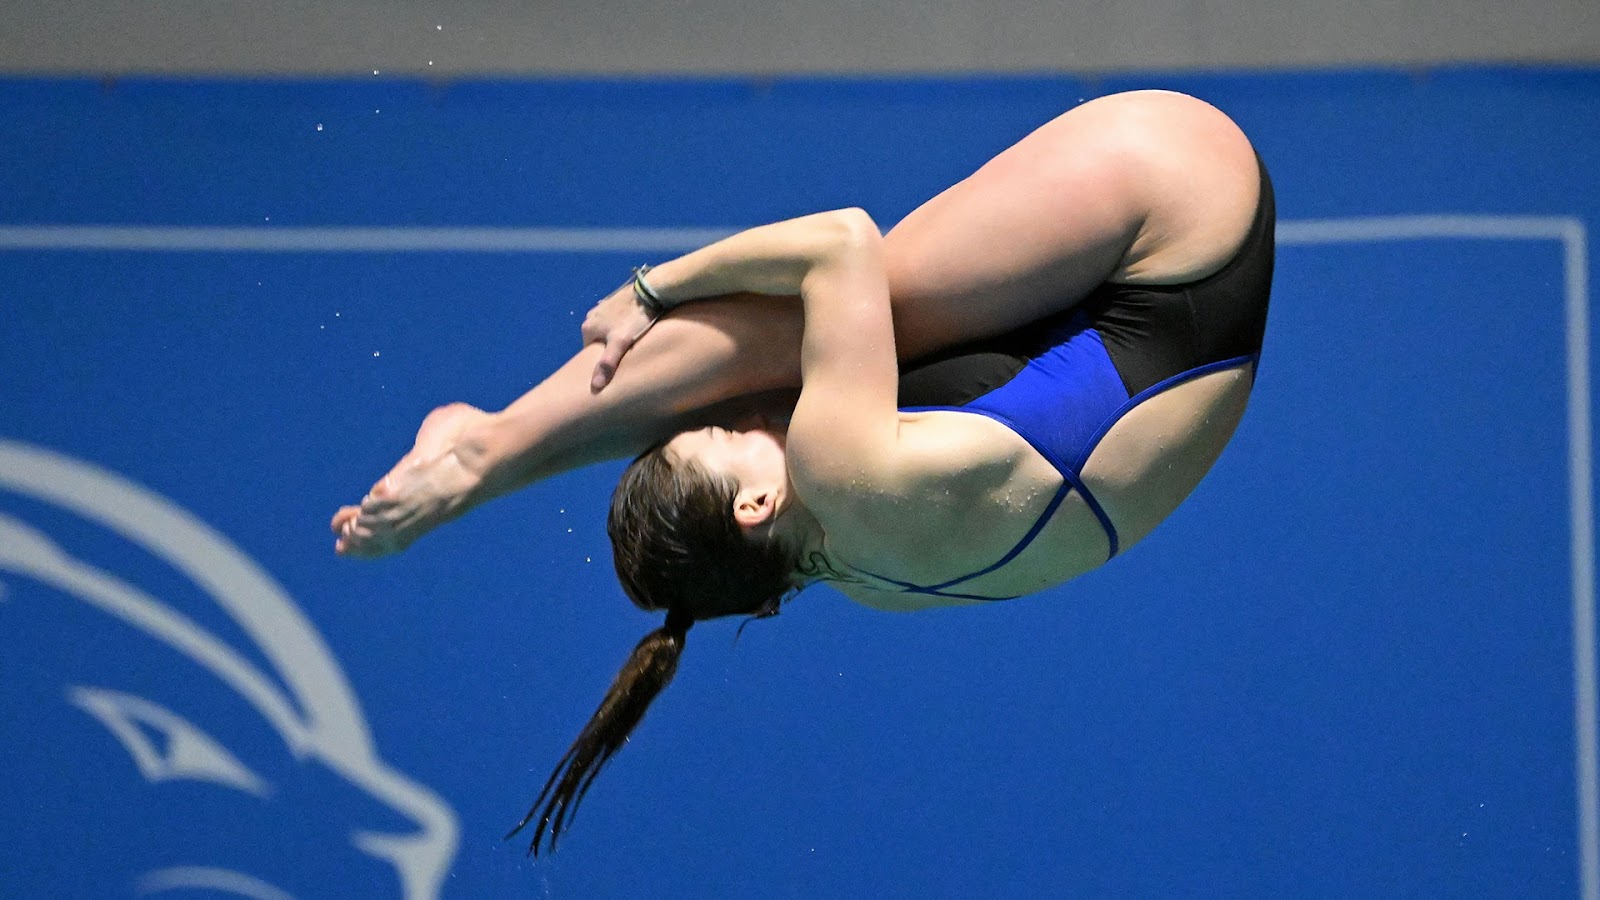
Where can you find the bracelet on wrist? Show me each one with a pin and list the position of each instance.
(646, 295)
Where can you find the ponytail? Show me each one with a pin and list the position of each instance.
(649, 668)
(676, 547)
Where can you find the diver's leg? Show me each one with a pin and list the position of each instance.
(1148, 186)
(704, 361)
(701, 355)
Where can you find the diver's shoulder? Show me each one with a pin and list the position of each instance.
(942, 498)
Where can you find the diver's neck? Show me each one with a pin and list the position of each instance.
(814, 561)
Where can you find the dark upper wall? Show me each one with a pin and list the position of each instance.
(819, 36)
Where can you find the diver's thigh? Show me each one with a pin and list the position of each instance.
(1145, 186)
(1031, 233)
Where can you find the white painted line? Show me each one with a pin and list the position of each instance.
(1580, 475)
(1400, 228)
(1306, 232)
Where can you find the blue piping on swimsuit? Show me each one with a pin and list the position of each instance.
(1059, 397)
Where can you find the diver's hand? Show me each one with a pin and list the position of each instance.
(426, 488)
(618, 322)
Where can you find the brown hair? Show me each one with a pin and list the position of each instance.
(676, 547)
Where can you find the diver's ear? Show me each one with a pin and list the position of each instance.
(752, 507)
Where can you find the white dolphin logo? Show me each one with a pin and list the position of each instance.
(310, 703)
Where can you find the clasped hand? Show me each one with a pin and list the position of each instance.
(618, 321)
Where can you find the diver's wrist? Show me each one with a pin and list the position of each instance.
(647, 294)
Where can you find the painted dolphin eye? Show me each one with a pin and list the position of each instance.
(186, 753)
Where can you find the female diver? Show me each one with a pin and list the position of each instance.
(1083, 315)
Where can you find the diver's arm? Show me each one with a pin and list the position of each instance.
(735, 344)
(845, 424)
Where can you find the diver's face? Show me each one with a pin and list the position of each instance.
(753, 458)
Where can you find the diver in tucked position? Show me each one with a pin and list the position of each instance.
(1080, 318)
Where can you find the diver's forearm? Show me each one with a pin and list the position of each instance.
(770, 259)
(699, 356)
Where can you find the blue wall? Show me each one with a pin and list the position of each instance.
(1343, 668)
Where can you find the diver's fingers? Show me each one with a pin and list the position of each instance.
(606, 368)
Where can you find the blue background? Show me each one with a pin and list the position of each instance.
(1343, 668)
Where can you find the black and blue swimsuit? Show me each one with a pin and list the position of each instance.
(1062, 383)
